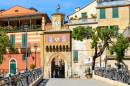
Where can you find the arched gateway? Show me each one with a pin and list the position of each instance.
(57, 64)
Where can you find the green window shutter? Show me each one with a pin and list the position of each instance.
(98, 33)
(111, 27)
(83, 14)
(24, 40)
(73, 55)
(12, 39)
(76, 56)
(115, 12)
(102, 13)
(73, 32)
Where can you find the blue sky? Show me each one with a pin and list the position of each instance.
(47, 6)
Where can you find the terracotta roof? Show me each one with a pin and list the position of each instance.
(81, 8)
(20, 14)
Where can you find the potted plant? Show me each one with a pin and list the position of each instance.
(88, 75)
(71, 18)
(94, 16)
(86, 16)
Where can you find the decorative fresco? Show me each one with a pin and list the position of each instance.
(57, 38)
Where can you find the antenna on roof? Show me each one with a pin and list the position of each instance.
(58, 8)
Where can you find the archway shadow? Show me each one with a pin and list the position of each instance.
(43, 82)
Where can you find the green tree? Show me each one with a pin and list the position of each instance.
(105, 35)
(5, 42)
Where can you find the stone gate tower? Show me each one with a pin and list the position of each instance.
(56, 42)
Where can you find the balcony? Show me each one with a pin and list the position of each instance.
(112, 2)
(82, 21)
(22, 28)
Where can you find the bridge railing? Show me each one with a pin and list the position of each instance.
(22, 79)
(113, 74)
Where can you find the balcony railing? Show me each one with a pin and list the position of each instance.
(81, 21)
(111, 2)
(22, 28)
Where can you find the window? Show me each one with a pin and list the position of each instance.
(12, 39)
(73, 32)
(89, 32)
(115, 12)
(75, 56)
(16, 10)
(102, 13)
(24, 56)
(24, 40)
(116, 32)
(83, 14)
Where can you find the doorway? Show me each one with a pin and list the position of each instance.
(57, 67)
(13, 66)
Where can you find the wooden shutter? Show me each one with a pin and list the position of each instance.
(24, 40)
(102, 13)
(12, 39)
(115, 12)
(76, 56)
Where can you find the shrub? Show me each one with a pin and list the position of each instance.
(32, 66)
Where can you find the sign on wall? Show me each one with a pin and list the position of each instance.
(57, 38)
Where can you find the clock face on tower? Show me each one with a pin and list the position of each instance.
(57, 23)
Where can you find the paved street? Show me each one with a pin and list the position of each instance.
(72, 82)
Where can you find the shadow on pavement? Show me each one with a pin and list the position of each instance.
(43, 82)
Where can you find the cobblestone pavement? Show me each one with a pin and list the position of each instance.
(72, 82)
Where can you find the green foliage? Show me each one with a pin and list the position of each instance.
(119, 48)
(5, 42)
(81, 32)
(32, 66)
(105, 37)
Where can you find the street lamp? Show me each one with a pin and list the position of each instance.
(100, 47)
(35, 48)
(26, 27)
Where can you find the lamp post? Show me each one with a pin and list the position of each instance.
(35, 48)
(26, 27)
(100, 47)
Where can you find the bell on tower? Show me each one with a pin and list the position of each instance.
(58, 19)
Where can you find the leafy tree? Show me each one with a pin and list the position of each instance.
(5, 42)
(105, 36)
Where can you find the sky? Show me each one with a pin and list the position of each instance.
(48, 6)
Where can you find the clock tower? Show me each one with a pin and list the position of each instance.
(58, 21)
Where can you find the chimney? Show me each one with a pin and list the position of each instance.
(76, 9)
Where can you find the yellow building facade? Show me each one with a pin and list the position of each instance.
(110, 14)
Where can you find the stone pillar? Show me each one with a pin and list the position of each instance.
(43, 22)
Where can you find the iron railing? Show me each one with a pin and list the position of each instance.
(5, 72)
(113, 74)
(84, 20)
(110, 2)
(22, 79)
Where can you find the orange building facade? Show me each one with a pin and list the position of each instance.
(20, 18)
